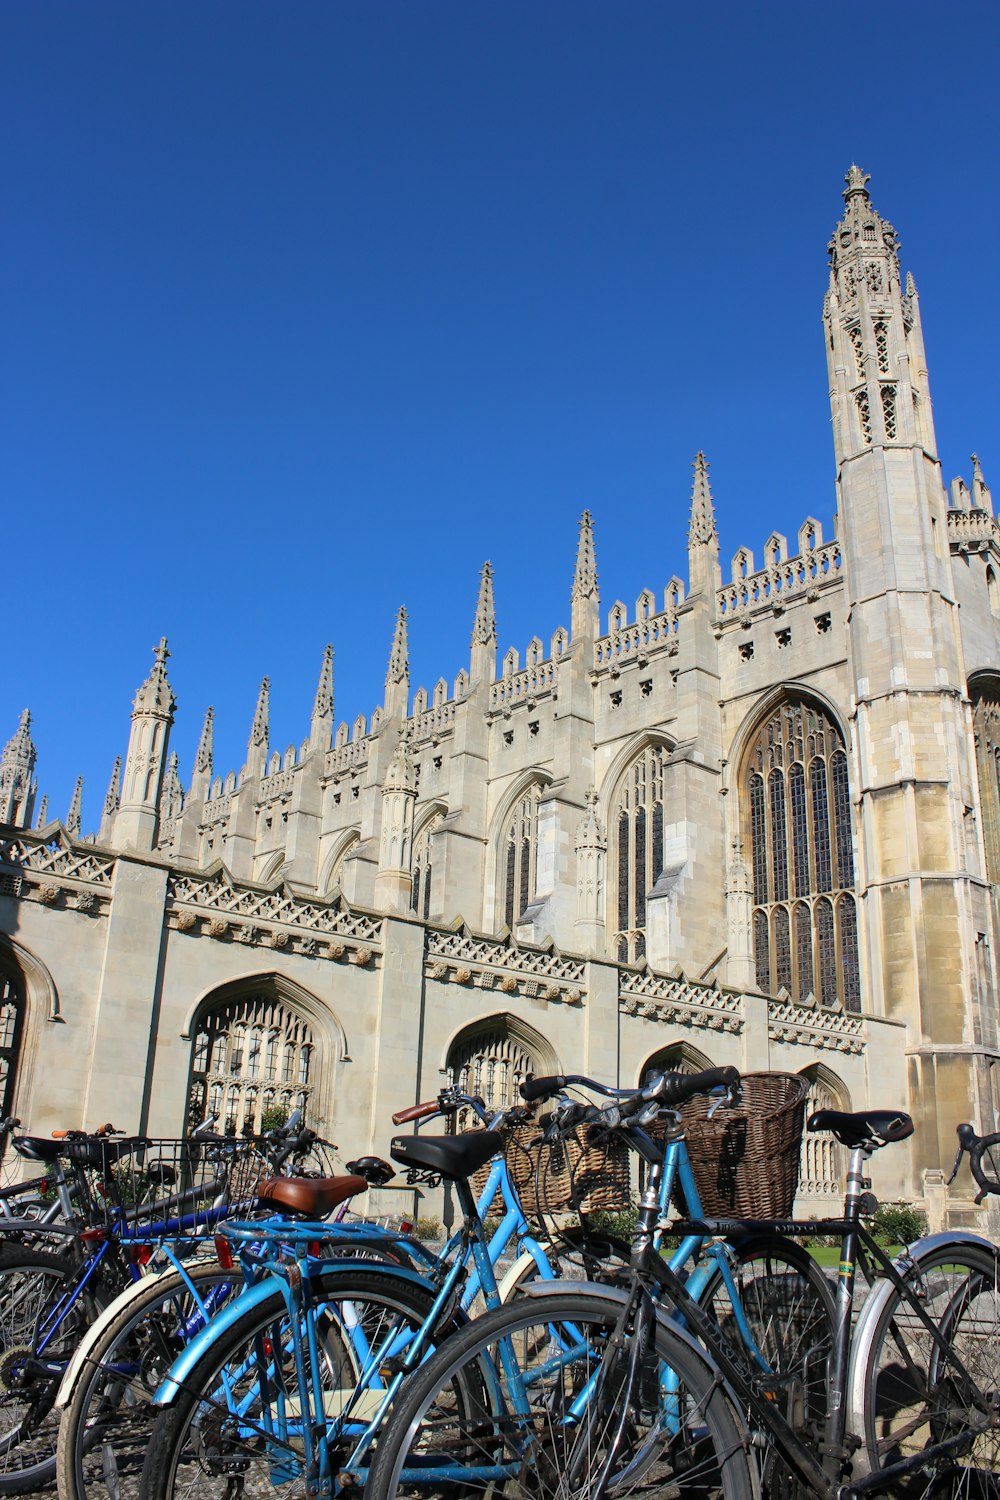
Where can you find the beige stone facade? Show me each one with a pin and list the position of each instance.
(750, 819)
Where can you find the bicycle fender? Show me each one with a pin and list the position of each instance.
(172, 1384)
(510, 1280)
(869, 1315)
(73, 1370)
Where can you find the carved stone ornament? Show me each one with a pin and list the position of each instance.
(551, 992)
(439, 971)
(48, 894)
(186, 921)
(279, 939)
(85, 901)
(247, 935)
(337, 950)
(361, 957)
(508, 984)
(218, 927)
(462, 976)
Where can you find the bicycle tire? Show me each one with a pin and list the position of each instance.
(914, 1395)
(105, 1427)
(789, 1306)
(524, 1439)
(195, 1439)
(574, 1255)
(31, 1282)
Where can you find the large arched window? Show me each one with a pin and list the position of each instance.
(637, 851)
(679, 1057)
(518, 850)
(492, 1058)
(423, 868)
(250, 1054)
(796, 810)
(12, 1006)
(985, 695)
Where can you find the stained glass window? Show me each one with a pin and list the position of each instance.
(638, 860)
(796, 789)
(12, 1001)
(518, 863)
(986, 726)
(423, 849)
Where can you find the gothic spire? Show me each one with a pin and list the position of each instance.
(702, 529)
(260, 726)
(17, 763)
(320, 732)
(484, 629)
(585, 576)
(43, 812)
(399, 656)
(113, 795)
(74, 820)
(172, 793)
(203, 755)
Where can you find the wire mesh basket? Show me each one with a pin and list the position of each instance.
(745, 1158)
(139, 1182)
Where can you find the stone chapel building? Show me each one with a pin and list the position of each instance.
(752, 817)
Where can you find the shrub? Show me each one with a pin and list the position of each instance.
(898, 1224)
(273, 1117)
(428, 1229)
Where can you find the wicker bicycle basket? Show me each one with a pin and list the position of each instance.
(576, 1175)
(745, 1159)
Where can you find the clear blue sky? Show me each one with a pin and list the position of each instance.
(309, 308)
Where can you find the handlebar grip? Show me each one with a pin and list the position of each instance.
(416, 1112)
(682, 1086)
(542, 1088)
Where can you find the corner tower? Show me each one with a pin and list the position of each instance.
(914, 778)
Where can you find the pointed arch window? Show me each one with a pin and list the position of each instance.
(518, 855)
(489, 1060)
(795, 804)
(821, 1166)
(423, 849)
(13, 997)
(985, 696)
(637, 859)
(240, 1041)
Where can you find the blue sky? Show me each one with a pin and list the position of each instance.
(309, 308)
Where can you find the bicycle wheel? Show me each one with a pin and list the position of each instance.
(574, 1255)
(105, 1428)
(238, 1420)
(788, 1306)
(31, 1284)
(539, 1398)
(916, 1396)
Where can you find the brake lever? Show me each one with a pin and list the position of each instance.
(723, 1099)
(958, 1162)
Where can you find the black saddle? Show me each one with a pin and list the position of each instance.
(373, 1169)
(868, 1127)
(453, 1156)
(38, 1148)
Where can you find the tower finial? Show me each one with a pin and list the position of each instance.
(259, 729)
(112, 797)
(585, 574)
(321, 726)
(399, 656)
(74, 820)
(857, 182)
(702, 529)
(981, 497)
(204, 754)
(156, 695)
(484, 629)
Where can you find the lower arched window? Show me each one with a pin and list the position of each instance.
(252, 1061)
(821, 1165)
(12, 1005)
(491, 1061)
(423, 867)
(795, 800)
(518, 851)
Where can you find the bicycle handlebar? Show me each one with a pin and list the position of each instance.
(416, 1112)
(978, 1146)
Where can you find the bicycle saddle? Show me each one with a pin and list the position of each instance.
(314, 1197)
(373, 1169)
(868, 1127)
(454, 1156)
(37, 1148)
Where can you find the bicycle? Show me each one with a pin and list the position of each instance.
(122, 1201)
(604, 1391)
(223, 1383)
